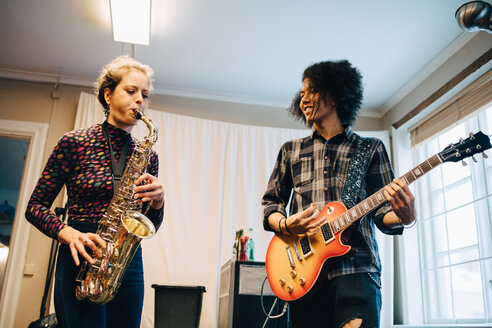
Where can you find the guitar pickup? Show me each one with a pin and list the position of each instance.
(305, 246)
(327, 233)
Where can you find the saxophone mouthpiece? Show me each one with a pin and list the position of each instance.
(137, 114)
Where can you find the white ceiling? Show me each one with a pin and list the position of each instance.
(245, 51)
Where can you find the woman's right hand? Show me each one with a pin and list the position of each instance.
(77, 241)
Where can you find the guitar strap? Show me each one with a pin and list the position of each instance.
(357, 171)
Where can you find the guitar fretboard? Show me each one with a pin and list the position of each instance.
(376, 199)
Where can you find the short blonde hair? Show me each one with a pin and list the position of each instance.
(114, 71)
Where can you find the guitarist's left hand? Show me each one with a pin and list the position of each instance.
(401, 201)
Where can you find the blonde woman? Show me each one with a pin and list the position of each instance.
(86, 162)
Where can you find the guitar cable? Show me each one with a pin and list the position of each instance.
(268, 315)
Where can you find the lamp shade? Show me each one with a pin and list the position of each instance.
(131, 21)
(474, 16)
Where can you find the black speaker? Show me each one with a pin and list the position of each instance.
(240, 297)
(177, 306)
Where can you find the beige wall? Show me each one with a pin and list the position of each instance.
(26, 101)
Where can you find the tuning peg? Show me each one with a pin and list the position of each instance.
(471, 135)
(461, 141)
(485, 155)
(474, 159)
(464, 163)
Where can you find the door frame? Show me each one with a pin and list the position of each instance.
(36, 133)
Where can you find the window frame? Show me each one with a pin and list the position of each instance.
(409, 263)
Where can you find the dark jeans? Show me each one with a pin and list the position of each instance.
(338, 301)
(125, 310)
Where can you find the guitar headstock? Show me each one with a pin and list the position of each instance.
(474, 144)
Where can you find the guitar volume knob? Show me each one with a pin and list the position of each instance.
(290, 289)
(293, 273)
(302, 281)
(282, 282)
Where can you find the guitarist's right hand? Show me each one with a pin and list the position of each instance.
(301, 223)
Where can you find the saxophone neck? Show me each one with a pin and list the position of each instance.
(152, 136)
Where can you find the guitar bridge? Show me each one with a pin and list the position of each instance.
(294, 245)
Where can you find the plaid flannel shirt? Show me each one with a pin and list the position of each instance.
(314, 170)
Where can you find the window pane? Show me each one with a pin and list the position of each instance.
(453, 172)
(437, 293)
(452, 135)
(429, 187)
(454, 204)
(434, 203)
(435, 243)
(489, 172)
(486, 121)
(484, 209)
(462, 227)
(467, 291)
(487, 282)
(459, 194)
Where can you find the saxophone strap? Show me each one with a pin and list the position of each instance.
(117, 167)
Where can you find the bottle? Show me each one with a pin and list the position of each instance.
(251, 245)
(235, 247)
(243, 254)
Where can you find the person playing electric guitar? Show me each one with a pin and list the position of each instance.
(335, 164)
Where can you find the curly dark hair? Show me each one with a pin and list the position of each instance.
(338, 79)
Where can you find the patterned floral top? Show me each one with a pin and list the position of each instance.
(82, 161)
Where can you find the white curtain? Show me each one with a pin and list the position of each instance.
(214, 175)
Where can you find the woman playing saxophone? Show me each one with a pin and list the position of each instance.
(88, 162)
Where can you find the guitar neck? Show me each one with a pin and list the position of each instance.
(376, 199)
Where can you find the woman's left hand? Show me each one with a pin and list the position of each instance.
(149, 189)
(401, 200)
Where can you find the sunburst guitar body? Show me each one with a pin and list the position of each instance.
(294, 263)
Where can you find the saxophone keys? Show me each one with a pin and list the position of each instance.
(80, 292)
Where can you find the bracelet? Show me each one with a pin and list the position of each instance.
(286, 228)
(405, 226)
(279, 227)
(411, 225)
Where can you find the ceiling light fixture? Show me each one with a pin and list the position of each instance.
(474, 16)
(131, 21)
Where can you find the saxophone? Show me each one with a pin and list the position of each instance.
(122, 227)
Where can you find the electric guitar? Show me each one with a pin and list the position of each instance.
(295, 264)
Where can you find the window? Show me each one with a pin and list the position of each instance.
(454, 205)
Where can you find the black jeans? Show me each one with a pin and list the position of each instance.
(124, 310)
(338, 301)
